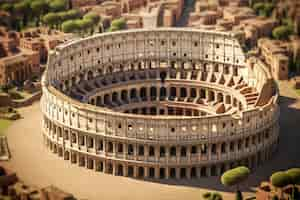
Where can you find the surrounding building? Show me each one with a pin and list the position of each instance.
(159, 104)
(16, 64)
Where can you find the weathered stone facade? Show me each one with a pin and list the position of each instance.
(159, 103)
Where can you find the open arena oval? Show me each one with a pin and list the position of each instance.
(159, 104)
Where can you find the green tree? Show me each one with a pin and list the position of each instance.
(117, 24)
(70, 26)
(22, 9)
(51, 19)
(95, 19)
(258, 6)
(84, 25)
(294, 175)
(279, 180)
(212, 196)
(38, 7)
(58, 5)
(8, 7)
(235, 177)
(93, 16)
(281, 32)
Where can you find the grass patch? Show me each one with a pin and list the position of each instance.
(4, 124)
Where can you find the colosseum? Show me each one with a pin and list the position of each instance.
(159, 104)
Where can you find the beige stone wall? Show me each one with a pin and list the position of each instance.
(160, 146)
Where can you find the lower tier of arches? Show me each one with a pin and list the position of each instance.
(150, 171)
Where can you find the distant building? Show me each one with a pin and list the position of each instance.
(275, 55)
(42, 40)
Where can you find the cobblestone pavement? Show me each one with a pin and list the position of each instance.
(35, 165)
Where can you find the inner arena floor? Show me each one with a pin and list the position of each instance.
(37, 166)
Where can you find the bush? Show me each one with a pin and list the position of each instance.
(281, 32)
(280, 179)
(275, 197)
(206, 195)
(294, 175)
(238, 195)
(235, 176)
(216, 196)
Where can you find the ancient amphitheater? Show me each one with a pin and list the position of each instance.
(159, 104)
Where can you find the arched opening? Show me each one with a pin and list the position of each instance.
(110, 147)
(151, 172)
(141, 150)
(163, 92)
(124, 96)
(172, 173)
(172, 93)
(153, 93)
(203, 172)
(162, 173)
(223, 147)
(141, 172)
(130, 171)
(193, 92)
(143, 94)
(173, 151)
(130, 149)
(115, 97)
(183, 92)
(182, 173)
(151, 151)
(106, 99)
(90, 75)
(133, 93)
(120, 170)
(162, 152)
(213, 170)
(183, 151)
(163, 76)
(193, 172)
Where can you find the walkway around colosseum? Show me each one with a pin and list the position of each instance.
(38, 166)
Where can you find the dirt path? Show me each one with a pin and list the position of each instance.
(35, 165)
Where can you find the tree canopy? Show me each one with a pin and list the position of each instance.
(117, 24)
(51, 19)
(70, 26)
(58, 5)
(93, 16)
(235, 176)
(281, 32)
(294, 175)
(280, 179)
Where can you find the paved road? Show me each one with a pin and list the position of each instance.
(36, 166)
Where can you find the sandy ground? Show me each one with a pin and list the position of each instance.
(35, 165)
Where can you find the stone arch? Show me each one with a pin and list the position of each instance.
(220, 97)
(173, 151)
(173, 92)
(90, 75)
(153, 92)
(183, 92)
(193, 172)
(133, 93)
(172, 172)
(107, 99)
(115, 97)
(143, 93)
(163, 92)
(120, 170)
(124, 95)
(141, 172)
